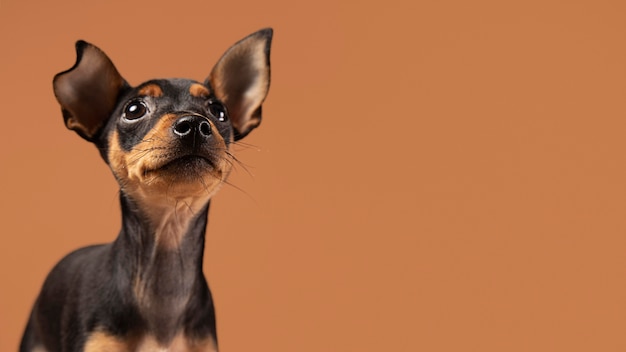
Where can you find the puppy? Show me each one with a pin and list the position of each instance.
(167, 144)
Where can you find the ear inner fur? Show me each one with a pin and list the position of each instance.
(88, 91)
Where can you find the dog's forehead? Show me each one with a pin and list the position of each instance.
(173, 88)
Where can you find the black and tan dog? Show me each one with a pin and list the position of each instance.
(167, 143)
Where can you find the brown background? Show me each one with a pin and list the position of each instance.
(429, 175)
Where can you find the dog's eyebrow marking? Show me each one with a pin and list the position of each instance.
(151, 90)
(199, 91)
(101, 341)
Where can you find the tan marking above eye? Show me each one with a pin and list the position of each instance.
(151, 90)
(99, 341)
(102, 341)
(199, 91)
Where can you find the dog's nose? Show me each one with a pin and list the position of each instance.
(191, 126)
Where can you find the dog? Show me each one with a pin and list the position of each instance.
(167, 143)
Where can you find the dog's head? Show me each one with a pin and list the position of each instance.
(167, 137)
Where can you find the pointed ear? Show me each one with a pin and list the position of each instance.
(241, 79)
(88, 91)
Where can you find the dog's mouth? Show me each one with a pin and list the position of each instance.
(188, 162)
(186, 165)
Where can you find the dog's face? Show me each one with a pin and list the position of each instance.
(167, 138)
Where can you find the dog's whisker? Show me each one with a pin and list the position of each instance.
(245, 145)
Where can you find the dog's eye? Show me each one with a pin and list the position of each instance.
(135, 109)
(218, 110)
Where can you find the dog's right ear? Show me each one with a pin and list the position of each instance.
(88, 91)
(241, 80)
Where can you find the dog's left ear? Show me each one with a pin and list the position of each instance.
(241, 79)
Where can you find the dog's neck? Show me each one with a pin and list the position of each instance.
(160, 253)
